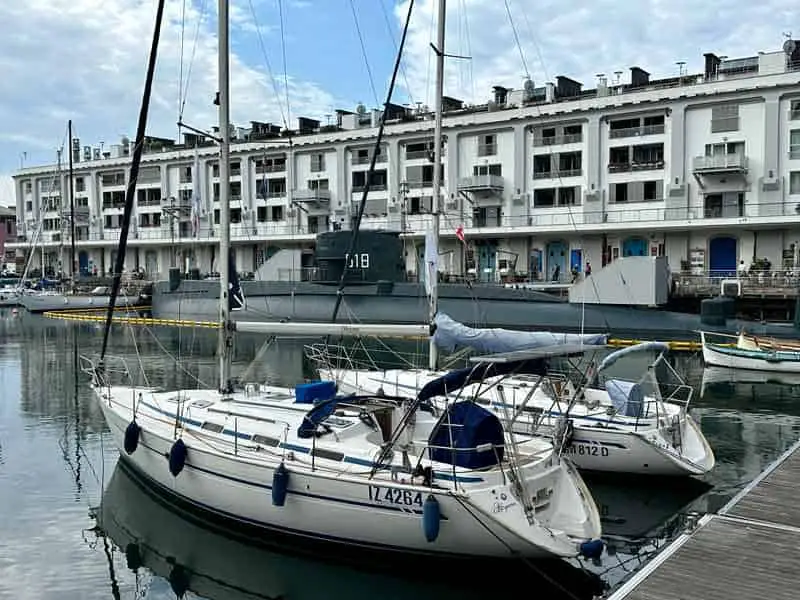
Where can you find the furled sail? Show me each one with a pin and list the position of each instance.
(451, 335)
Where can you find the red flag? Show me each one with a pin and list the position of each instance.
(460, 233)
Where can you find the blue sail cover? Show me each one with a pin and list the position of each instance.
(451, 335)
(455, 380)
(467, 436)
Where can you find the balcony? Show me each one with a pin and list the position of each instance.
(636, 131)
(315, 196)
(721, 163)
(556, 140)
(81, 214)
(481, 183)
(365, 160)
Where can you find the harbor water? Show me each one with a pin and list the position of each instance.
(76, 524)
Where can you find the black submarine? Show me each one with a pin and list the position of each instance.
(378, 291)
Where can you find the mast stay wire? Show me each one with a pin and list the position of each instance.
(268, 65)
(183, 84)
(285, 72)
(364, 54)
(394, 43)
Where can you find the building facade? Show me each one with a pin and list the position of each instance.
(703, 168)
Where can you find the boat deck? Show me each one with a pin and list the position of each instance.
(748, 550)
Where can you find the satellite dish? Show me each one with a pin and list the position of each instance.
(789, 46)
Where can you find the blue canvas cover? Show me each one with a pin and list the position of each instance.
(315, 416)
(626, 397)
(451, 335)
(469, 426)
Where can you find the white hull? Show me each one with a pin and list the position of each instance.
(342, 505)
(753, 360)
(39, 303)
(617, 444)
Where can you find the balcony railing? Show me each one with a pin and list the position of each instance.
(558, 174)
(619, 215)
(481, 183)
(306, 195)
(776, 282)
(721, 162)
(374, 187)
(555, 140)
(636, 131)
(653, 165)
(365, 160)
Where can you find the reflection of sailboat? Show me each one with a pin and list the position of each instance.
(723, 375)
(193, 554)
(632, 513)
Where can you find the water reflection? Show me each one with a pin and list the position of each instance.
(56, 459)
(640, 518)
(169, 552)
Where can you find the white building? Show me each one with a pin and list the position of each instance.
(703, 168)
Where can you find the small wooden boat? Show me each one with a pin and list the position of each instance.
(750, 352)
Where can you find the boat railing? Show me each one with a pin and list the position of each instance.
(112, 370)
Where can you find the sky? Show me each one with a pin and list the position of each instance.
(85, 60)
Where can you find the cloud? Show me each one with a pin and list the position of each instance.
(580, 39)
(6, 191)
(86, 60)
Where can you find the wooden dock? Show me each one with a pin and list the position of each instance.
(747, 551)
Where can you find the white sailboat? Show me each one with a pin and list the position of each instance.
(614, 425)
(381, 473)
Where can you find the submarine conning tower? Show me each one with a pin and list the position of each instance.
(378, 256)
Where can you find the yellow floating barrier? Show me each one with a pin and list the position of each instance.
(92, 316)
(67, 315)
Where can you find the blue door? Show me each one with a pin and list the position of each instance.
(634, 247)
(487, 261)
(722, 256)
(576, 259)
(535, 264)
(557, 261)
(83, 262)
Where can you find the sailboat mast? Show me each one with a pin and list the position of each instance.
(71, 188)
(225, 332)
(436, 204)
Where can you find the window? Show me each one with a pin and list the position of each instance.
(794, 111)
(568, 196)
(317, 163)
(487, 145)
(794, 143)
(724, 148)
(650, 190)
(619, 192)
(487, 170)
(569, 164)
(541, 166)
(544, 198)
(725, 118)
(318, 184)
(794, 182)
